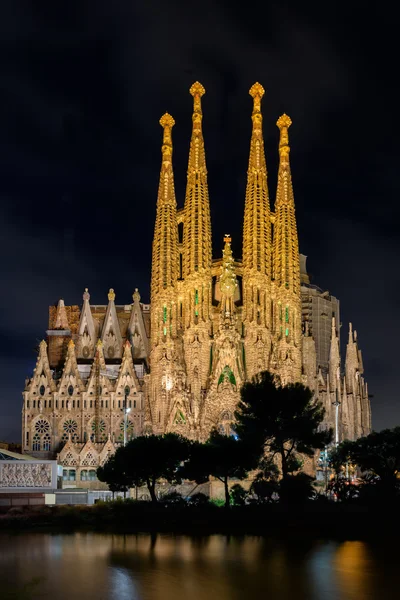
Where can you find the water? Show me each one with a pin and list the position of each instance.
(165, 567)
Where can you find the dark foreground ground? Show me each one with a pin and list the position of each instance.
(313, 520)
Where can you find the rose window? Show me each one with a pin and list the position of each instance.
(130, 430)
(70, 426)
(42, 426)
(98, 430)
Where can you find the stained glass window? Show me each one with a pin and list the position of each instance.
(42, 426)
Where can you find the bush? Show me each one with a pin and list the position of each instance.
(238, 495)
(198, 499)
(173, 498)
(264, 489)
(296, 489)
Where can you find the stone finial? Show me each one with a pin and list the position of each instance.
(111, 295)
(256, 92)
(71, 344)
(99, 344)
(167, 121)
(227, 238)
(86, 295)
(136, 295)
(61, 316)
(284, 121)
(350, 333)
(197, 89)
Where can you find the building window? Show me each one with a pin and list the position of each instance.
(92, 475)
(42, 390)
(84, 475)
(34, 403)
(36, 443)
(27, 404)
(49, 403)
(46, 442)
(69, 474)
(287, 314)
(134, 404)
(27, 438)
(42, 426)
(70, 390)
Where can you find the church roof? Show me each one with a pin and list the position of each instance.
(7, 455)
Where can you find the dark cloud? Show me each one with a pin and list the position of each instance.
(83, 85)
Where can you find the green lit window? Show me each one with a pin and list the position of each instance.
(287, 314)
(287, 331)
(196, 302)
(165, 314)
(165, 331)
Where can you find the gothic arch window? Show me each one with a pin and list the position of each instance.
(70, 390)
(46, 442)
(70, 428)
(42, 390)
(36, 445)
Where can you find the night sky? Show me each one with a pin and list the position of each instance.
(83, 85)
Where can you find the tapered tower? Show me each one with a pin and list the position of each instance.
(195, 301)
(164, 275)
(257, 250)
(286, 269)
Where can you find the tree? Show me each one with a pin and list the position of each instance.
(265, 485)
(379, 453)
(114, 475)
(147, 459)
(280, 419)
(221, 456)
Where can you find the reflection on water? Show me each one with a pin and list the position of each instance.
(165, 567)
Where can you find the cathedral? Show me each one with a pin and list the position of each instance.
(107, 373)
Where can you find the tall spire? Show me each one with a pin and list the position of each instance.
(257, 218)
(257, 249)
(164, 272)
(197, 222)
(286, 265)
(334, 358)
(286, 262)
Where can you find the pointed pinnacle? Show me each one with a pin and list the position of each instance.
(111, 295)
(167, 120)
(197, 89)
(256, 90)
(284, 121)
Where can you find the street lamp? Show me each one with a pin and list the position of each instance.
(126, 412)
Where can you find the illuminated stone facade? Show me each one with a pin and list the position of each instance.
(179, 362)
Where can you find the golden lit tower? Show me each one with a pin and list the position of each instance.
(195, 302)
(164, 275)
(257, 250)
(286, 269)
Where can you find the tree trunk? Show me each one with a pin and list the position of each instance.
(285, 471)
(151, 486)
(227, 498)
